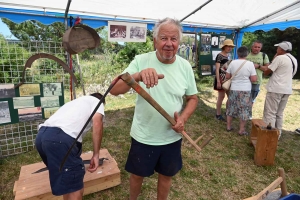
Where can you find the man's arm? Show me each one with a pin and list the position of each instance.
(191, 105)
(267, 72)
(97, 138)
(262, 68)
(148, 76)
(121, 87)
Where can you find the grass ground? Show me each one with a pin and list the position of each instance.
(224, 169)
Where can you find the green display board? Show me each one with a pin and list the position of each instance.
(29, 102)
(209, 45)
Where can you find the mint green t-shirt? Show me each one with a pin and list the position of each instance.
(149, 126)
(258, 59)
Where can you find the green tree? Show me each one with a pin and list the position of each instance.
(275, 36)
(11, 58)
(33, 30)
(131, 49)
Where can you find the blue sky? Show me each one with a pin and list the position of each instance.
(4, 30)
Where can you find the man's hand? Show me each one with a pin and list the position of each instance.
(150, 77)
(94, 163)
(179, 126)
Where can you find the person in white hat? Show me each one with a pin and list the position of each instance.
(279, 87)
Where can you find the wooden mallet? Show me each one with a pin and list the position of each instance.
(132, 83)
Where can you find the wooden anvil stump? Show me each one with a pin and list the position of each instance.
(33, 184)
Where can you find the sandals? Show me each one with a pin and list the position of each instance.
(229, 130)
(243, 133)
(220, 117)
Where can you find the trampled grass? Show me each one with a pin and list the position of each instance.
(223, 170)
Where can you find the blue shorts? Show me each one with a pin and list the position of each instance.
(254, 91)
(144, 159)
(52, 144)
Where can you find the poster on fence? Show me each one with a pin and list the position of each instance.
(29, 90)
(4, 112)
(29, 102)
(7, 91)
(126, 32)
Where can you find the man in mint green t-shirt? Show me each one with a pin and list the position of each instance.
(261, 63)
(167, 77)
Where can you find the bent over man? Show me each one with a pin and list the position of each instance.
(57, 134)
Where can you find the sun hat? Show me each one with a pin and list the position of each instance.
(286, 46)
(228, 42)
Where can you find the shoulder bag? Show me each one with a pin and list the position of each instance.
(226, 84)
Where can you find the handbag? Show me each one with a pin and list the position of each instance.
(227, 83)
(222, 71)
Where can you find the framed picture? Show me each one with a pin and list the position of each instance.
(30, 114)
(23, 102)
(48, 102)
(188, 48)
(214, 54)
(30, 90)
(7, 91)
(206, 39)
(52, 89)
(4, 112)
(205, 70)
(49, 111)
(222, 38)
(126, 32)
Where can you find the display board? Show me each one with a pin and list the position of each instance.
(29, 102)
(209, 45)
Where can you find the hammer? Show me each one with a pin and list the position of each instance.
(132, 83)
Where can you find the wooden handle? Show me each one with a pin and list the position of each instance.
(132, 83)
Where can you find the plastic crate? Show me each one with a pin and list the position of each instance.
(291, 197)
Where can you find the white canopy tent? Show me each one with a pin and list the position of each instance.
(226, 16)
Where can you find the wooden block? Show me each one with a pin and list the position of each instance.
(37, 186)
(266, 147)
(264, 141)
(256, 124)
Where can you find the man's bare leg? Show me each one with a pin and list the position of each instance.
(163, 186)
(135, 186)
(74, 195)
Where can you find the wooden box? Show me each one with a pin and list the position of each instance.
(264, 141)
(37, 185)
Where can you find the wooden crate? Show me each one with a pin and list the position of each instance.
(264, 141)
(37, 185)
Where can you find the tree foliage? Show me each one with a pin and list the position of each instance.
(33, 30)
(131, 49)
(11, 57)
(275, 36)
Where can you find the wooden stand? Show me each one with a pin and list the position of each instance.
(264, 141)
(37, 186)
(279, 181)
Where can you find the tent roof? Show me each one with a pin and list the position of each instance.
(216, 14)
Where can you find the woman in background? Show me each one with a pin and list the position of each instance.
(221, 67)
(239, 98)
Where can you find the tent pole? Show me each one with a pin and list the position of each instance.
(196, 10)
(68, 56)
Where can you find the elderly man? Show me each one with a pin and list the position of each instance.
(261, 63)
(155, 143)
(279, 87)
